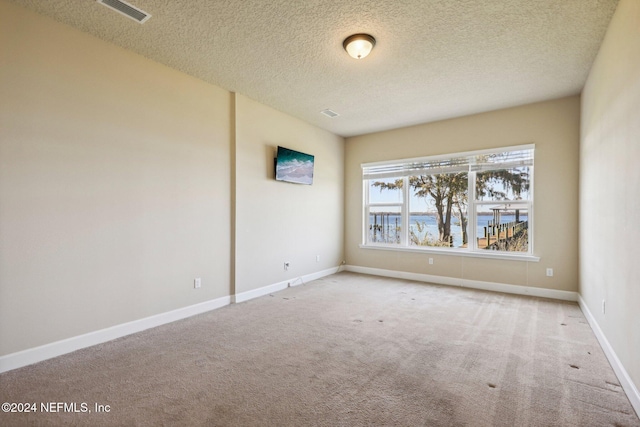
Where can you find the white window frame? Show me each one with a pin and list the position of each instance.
(403, 168)
(404, 207)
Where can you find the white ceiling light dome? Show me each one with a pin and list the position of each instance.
(358, 46)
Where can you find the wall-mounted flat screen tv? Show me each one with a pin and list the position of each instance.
(294, 166)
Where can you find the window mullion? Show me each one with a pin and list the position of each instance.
(404, 239)
(472, 221)
(365, 227)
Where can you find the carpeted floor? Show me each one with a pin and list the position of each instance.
(346, 350)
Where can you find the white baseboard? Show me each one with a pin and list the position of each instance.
(58, 348)
(266, 290)
(625, 380)
(475, 284)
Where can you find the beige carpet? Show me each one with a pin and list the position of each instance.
(346, 350)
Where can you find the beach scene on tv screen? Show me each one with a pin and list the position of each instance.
(293, 166)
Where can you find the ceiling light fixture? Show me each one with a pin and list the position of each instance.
(359, 46)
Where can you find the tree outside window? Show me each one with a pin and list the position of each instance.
(425, 202)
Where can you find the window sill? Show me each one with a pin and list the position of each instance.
(456, 252)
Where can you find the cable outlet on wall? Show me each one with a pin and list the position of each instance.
(286, 265)
(603, 306)
(549, 272)
(197, 283)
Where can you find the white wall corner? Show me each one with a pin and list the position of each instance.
(625, 380)
(58, 348)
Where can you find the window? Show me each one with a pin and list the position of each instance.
(469, 203)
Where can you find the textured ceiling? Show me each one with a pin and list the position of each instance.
(434, 59)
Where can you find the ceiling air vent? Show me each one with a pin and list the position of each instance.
(329, 113)
(127, 10)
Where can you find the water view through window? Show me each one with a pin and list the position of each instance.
(423, 228)
(480, 201)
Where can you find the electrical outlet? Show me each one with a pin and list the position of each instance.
(603, 306)
(430, 261)
(317, 258)
(197, 283)
(549, 272)
(286, 265)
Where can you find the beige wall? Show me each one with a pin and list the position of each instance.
(122, 180)
(114, 184)
(552, 126)
(278, 221)
(609, 187)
